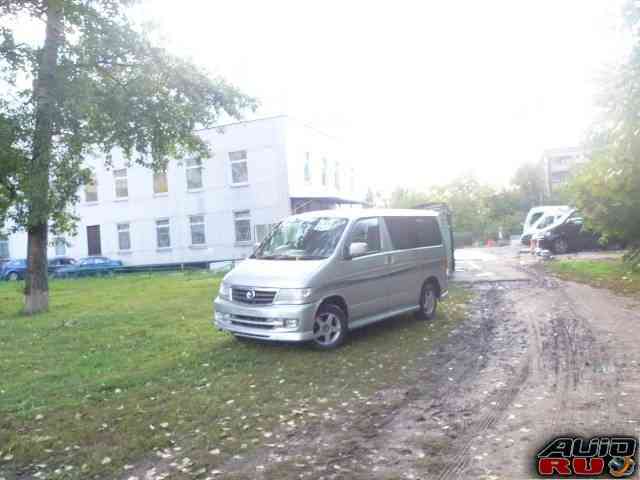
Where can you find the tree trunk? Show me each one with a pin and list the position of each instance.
(36, 285)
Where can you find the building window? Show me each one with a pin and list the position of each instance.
(163, 235)
(239, 167)
(160, 184)
(242, 225)
(262, 231)
(336, 175)
(122, 187)
(124, 237)
(307, 168)
(4, 247)
(325, 168)
(91, 190)
(60, 246)
(194, 173)
(198, 234)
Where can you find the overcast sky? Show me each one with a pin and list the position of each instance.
(421, 90)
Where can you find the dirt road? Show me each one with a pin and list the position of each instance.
(538, 357)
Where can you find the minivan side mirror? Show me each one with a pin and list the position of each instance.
(357, 249)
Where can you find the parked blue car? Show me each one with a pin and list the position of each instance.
(13, 270)
(88, 266)
(16, 269)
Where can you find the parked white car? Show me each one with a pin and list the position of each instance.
(540, 218)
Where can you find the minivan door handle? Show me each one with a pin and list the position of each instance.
(389, 260)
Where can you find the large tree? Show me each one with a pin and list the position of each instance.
(529, 179)
(607, 189)
(95, 83)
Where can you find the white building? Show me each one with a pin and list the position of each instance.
(210, 209)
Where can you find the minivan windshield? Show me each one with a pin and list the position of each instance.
(298, 238)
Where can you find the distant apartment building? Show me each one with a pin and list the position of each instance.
(558, 165)
(204, 209)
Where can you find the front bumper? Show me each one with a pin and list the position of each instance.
(262, 322)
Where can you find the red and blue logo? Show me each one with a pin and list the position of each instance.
(604, 456)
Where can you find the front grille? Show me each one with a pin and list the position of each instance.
(259, 297)
(252, 322)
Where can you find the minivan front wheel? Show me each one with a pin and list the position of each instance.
(329, 327)
(428, 302)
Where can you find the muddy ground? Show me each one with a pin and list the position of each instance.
(537, 357)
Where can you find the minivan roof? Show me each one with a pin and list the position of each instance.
(368, 212)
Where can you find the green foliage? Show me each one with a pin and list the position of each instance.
(111, 88)
(529, 179)
(478, 209)
(608, 273)
(607, 189)
(406, 198)
(607, 192)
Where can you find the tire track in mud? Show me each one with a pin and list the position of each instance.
(452, 397)
(570, 345)
(460, 463)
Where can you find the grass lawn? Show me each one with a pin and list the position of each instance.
(612, 274)
(124, 369)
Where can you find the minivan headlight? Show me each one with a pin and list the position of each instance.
(224, 292)
(293, 296)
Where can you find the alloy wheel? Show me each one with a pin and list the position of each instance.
(326, 329)
(428, 302)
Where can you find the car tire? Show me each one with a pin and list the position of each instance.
(428, 302)
(330, 327)
(13, 276)
(560, 246)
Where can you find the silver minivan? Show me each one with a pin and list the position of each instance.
(318, 275)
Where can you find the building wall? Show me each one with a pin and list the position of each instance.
(309, 150)
(265, 196)
(559, 165)
(276, 154)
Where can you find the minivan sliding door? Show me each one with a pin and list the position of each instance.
(363, 277)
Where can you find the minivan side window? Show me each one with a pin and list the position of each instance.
(413, 232)
(366, 230)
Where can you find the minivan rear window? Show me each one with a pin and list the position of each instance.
(413, 232)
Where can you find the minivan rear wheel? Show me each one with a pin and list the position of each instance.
(428, 302)
(329, 327)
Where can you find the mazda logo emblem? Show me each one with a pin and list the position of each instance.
(251, 294)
